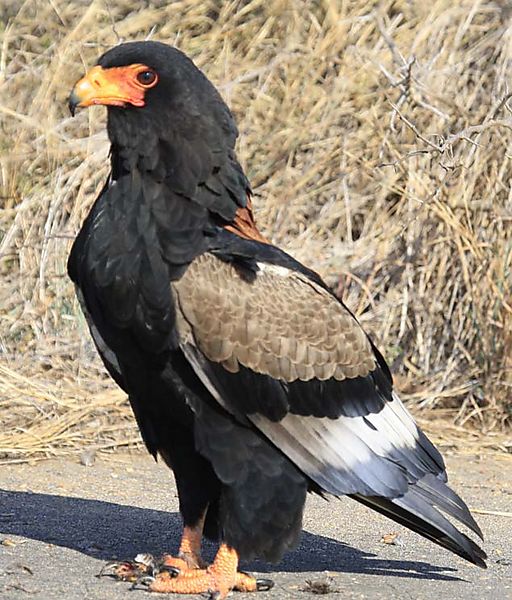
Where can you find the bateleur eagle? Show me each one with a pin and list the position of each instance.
(246, 374)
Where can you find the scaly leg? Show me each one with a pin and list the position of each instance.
(189, 554)
(218, 579)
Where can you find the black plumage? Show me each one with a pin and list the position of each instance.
(247, 429)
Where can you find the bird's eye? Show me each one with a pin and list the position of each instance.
(147, 78)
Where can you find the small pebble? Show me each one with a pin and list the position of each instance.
(391, 538)
(87, 458)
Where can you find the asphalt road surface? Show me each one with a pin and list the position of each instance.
(61, 521)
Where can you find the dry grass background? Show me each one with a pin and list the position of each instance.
(378, 139)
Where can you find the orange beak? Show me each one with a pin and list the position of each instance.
(117, 86)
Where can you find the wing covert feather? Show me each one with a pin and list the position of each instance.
(278, 323)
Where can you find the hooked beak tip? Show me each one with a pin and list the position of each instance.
(73, 102)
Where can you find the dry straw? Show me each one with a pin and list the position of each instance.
(377, 137)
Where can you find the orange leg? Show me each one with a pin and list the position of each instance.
(189, 554)
(218, 579)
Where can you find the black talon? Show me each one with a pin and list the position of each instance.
(146, 581)
(173, 571)
(109, 565)
(263, 585)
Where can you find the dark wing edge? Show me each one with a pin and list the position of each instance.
(415, 511)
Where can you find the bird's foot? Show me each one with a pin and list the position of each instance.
(185, 574)
(216, 583)
(218, 579)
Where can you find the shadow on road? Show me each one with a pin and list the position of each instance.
(107, 531)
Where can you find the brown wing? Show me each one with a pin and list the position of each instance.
(279, 324)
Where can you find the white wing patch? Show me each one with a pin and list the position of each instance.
(276, 269)
(348, 455)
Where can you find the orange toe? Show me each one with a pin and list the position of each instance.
(198, 581)
(218, 579)
(245, 583)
